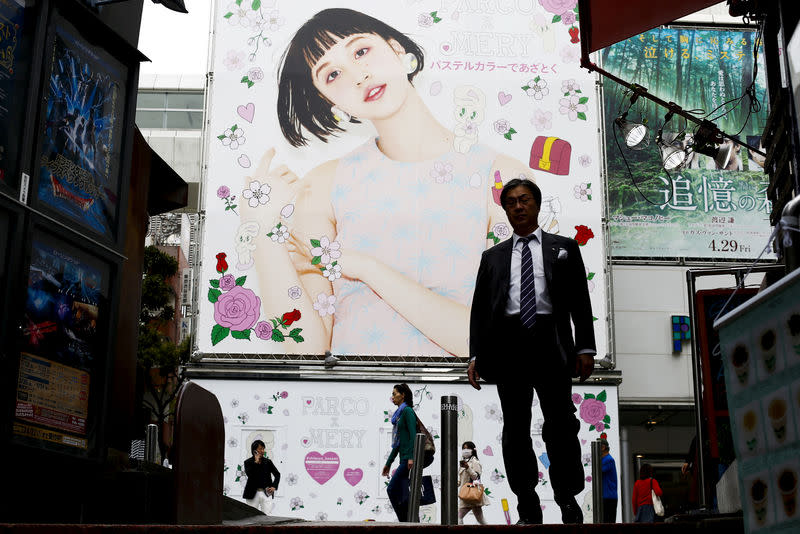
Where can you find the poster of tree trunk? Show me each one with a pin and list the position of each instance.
(701, 210)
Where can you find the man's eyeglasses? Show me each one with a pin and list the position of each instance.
(524, 200)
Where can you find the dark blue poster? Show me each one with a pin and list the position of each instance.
(16, 34)
(66, 292)
(79, 166)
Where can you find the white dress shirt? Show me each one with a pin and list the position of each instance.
(543, 304)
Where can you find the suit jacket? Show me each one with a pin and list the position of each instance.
(569, 294)
(259, 476)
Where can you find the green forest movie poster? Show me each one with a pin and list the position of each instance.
(700, 210)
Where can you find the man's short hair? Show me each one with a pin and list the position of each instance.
(604, 443)
(516, 182)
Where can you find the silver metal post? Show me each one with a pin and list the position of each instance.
(449, 416)
(415, 490)
(597, 482)
(151, 443)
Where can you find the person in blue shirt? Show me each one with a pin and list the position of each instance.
(610, 495)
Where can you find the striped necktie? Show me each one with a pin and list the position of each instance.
(527, 288)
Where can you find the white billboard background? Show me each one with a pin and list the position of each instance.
(511, 67)
(347, 425)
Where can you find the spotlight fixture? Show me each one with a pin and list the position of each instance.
(708, 140)
(673, 153)
(635, 134)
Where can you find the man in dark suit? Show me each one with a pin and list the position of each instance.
(529, 291)
(260, 482)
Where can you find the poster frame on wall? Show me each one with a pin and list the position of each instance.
(113, 50)
(46, 436)
(718, 243)
(27, 41)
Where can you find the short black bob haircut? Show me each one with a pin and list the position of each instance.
(516, 182)
(256, 444)
(299, 103)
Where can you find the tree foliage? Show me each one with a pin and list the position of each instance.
(159, 359)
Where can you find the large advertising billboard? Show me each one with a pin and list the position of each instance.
(709, 208)
(330, 440)
(355, 162)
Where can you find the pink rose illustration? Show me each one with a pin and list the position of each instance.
(592, 411)
(284, 394)
(238, 309)
(576, 398)
(227, 282)
(263, 330)
(557, 7)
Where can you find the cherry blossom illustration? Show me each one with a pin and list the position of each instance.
(232, 137)
(325, 304)
(503, 127)
(279, 233)
(583, 191)
(493, 412)
(332, 271)
(296, 503)
(259, 18)
(542, 120)
(224, 193)
(496, 477)
(361, 496)
(574, 107)
(324, 250)
(570, 87)
(442, 172)
(585, 160)
(536, 88)
(234, 60)
(257, 194)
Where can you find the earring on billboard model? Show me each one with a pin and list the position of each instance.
(410, 62)
(340, 115)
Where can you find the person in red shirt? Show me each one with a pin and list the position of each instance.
(642, 500)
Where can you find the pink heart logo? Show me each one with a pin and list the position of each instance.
(488, 451)
(308, 402)
(503, 98)
(353, 476)
(247, 112)
(446, 47)
(305, 441)
(583, 442)
(322, 467)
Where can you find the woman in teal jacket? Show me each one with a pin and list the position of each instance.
(404, 429)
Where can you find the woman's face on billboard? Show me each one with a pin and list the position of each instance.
(363, 75)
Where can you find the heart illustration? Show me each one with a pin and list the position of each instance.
(322, 467)
(244, 161)
(583, 442)
(305, 441)
(446, 47)
(488, 451)
(308, 402)
(436, 88)
(353, 476)
(503, 98)
(247, 112)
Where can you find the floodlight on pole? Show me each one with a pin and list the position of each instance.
(635, 134)
(708, 140)
(673, 154)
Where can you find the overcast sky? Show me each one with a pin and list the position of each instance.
(176, 43)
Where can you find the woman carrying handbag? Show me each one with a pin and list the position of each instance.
(644, 490)
(470, 490)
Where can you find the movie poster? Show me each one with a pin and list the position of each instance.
(61, 340)
(323, 233)
(709, 208)
(79, 169)
(16, 35)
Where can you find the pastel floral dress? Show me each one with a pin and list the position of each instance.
(428, 220)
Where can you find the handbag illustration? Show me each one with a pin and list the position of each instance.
(471, 493)
(550, 154)
(657, 505)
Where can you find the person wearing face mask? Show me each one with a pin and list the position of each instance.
(470, 471)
